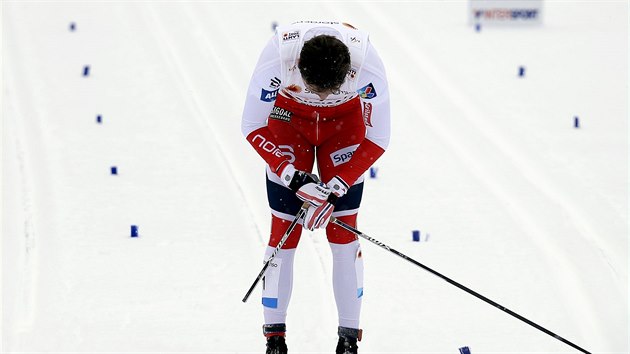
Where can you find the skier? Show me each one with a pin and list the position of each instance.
(319, 94)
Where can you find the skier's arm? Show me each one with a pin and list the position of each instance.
(261, 95)
(374, 93)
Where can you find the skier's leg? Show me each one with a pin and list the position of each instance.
(284, 205)
(343, 131)
(347, 275)
(277, 286)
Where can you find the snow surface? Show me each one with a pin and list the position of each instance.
(520, 206)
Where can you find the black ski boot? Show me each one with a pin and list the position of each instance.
(348, 338)
(275, 338)
(276, 345)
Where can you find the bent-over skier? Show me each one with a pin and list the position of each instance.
(318, 95)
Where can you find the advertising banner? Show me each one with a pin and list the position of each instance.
(504, 12)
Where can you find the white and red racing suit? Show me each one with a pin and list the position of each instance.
(344, 134)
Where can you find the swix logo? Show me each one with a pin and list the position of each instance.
(354, 41)
(343, 155)
(367, 92)
(267, 146)
(275, 83)
(268, 96)
(367, 114)
(290, 36)
(378, 243)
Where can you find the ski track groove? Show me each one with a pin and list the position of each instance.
(180, 76)
(28, 285)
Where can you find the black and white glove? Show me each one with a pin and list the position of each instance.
(307, 187)
(318, 217)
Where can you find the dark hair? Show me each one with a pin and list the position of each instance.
(324, 62)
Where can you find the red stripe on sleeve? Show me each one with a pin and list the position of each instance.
(364, 156)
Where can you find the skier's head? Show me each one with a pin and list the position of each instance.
(324, 63)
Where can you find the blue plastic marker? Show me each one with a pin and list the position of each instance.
(99, 119)
(521, 71)
(134, 231)
(373, 172)
(86, 70)
(415, 234)
(464, 350)
(576, 122)
(114, 170)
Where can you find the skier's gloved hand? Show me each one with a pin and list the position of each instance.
(318, 217)
(307, 186)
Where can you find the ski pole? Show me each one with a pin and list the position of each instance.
(284, 238)
(452, 282)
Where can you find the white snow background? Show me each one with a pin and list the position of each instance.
(517, 203)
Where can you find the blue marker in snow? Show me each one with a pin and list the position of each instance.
(415, 235)
(86, 70)
(373, 172)
(464, 350)
(114, 170)
(134, 231)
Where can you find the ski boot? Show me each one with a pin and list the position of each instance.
(348, 338)
(275, 338)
